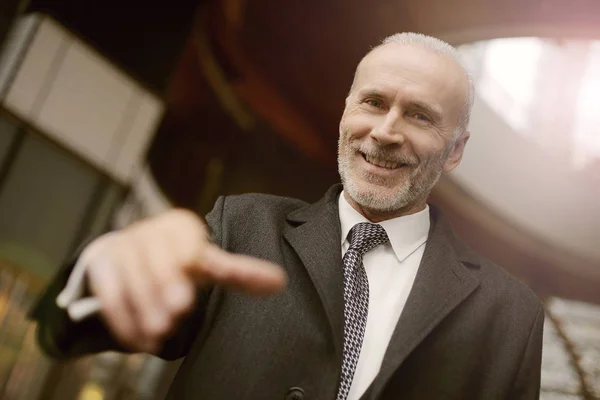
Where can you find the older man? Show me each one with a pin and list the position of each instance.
(370, 294)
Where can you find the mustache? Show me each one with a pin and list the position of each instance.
(386, 154)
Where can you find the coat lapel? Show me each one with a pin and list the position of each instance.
(441, 284)
(314, 233)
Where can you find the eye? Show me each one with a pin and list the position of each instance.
(422, 117)
(374, 103)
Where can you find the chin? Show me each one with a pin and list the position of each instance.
(376, 197)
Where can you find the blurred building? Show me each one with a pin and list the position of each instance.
(109, 117)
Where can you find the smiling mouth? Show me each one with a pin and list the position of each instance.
(381, 163)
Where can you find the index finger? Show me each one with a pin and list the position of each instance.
(249, 274)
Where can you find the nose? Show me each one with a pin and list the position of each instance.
(389, 129)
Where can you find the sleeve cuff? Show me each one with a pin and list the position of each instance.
(72, 298)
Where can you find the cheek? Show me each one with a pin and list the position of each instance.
(356, 126)
(425, 147)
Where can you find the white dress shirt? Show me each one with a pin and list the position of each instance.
(391, 269)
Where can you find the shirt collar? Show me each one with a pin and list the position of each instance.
(406, 233)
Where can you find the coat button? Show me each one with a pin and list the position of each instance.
(295, 393)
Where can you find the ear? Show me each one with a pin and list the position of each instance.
(456, 152)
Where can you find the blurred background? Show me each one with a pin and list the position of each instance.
(115, 110)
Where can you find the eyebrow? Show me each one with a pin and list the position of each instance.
(434, 112)
(372, 93)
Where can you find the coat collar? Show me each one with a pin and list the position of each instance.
(328, 203)
(443, 282)
(440, 227)
(314, 233)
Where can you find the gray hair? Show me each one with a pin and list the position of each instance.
(444, 49)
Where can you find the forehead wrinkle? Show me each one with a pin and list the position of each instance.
(447, 75)
(399, 95)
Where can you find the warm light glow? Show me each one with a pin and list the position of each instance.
(508, 73)
(513, 63)
(587, 123)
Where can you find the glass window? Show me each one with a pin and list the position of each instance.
(49, 202)
(8, 133)
(43, 200)
(111, 195)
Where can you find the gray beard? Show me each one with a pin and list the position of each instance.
(412, 192)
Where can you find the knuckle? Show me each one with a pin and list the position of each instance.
(114, 322)
(181, 307)
(133, 238)
(98, 246)
(178, 298)
(125, 335)
(157, 327)
(186, 266)
(186, 214)
(132, 342)
(108, 298)
(188, 223)
(112, 305)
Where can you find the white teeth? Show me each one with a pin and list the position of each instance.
(381, 163)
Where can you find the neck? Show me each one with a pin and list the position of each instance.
(376, 216)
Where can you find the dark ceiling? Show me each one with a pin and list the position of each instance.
(144, 38)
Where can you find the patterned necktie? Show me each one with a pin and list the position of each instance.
(363, 237)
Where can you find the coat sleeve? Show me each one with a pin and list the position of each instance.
(527, 381)
(61, 338)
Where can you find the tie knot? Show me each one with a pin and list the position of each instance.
(365, 236)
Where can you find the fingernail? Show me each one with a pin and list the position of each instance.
(74, 287)
(83, 308)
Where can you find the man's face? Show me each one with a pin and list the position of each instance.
(396, 133)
